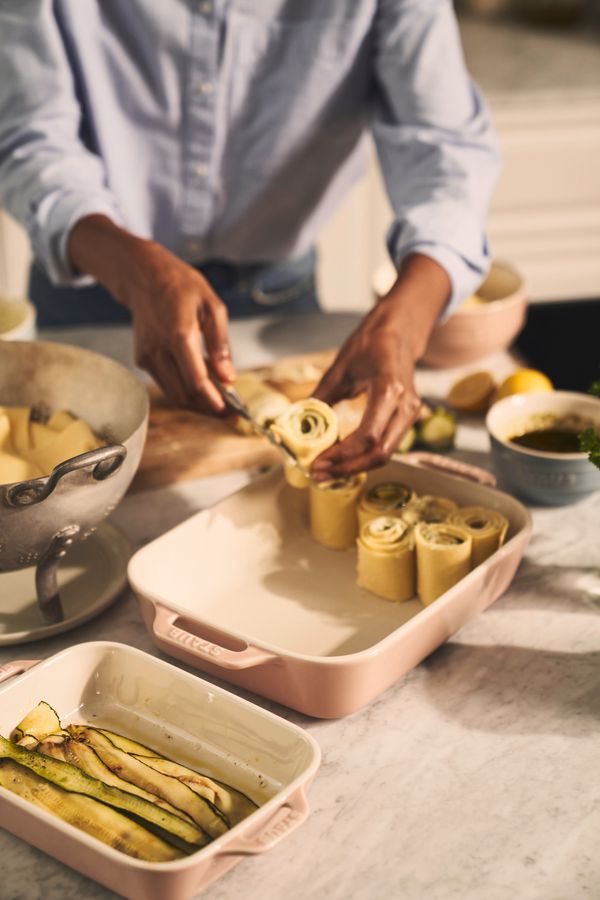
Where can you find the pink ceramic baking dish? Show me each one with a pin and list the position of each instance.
(187, 719)
(242, 592)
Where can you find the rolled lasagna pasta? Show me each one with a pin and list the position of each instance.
(487, 528)
(307, 428)
(385, 499)
(263, 401)
(443, 557)
(333, 520)
(386, 558)
(428, 509)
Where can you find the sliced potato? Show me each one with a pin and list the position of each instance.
(13, 469)
(75, 439)
(19, 425)
(60, 420)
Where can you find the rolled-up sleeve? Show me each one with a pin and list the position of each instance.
(48, 179)
(435, 140)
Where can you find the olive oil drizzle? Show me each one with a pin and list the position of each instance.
(552, 440)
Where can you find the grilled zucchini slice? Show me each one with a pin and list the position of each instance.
(74, 780)
(86, 759)
(202, 811)
(89, 815)
(235, 804)
(37, 725)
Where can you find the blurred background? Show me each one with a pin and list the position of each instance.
(538, 62)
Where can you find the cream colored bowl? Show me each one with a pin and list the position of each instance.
(17, 320)
(476, 329)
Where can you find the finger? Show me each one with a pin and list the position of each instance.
(164, 371)
(353, 464)
(380, 454)
(381, 405)
(201, 391)
(216, 339)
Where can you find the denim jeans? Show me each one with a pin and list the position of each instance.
(247, 290)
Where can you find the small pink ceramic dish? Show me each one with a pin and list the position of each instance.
(477, 329)
(188, 720)
(243, 592)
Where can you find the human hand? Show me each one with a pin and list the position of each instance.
(176, 314)
(374, 361)
(379, 360)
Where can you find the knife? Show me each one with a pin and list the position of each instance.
(235, 402)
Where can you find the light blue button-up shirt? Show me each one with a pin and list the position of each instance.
(231, 129)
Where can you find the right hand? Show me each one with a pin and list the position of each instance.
(176, 312)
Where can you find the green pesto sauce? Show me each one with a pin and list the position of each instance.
(552, 440)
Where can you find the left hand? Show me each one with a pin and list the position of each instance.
(375, 361)
(379, 359)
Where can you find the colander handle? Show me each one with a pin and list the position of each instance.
(103, 462)
(285, 820)
(17, 667)
(167, 631)
(426, 460)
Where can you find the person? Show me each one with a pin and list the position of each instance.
(174, 161)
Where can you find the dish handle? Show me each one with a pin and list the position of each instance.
(167, 631)
(11, 669)
(426, 460)
(285, 820)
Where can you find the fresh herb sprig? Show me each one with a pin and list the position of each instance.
(589, 442)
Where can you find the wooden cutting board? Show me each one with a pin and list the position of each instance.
(183, 445)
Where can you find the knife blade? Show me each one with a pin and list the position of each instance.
(235, 402)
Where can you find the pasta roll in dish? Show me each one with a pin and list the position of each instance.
(386, 558)
(487, 528)
(307, 428)
(332, 504)
(428, 509)
(385, 499)
(443, 558)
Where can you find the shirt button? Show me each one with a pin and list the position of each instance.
(193, 247)
(201, 170)
(205, 7)
(205, 87)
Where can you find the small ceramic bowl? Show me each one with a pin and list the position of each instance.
(552, 479)
(17, 320)
(477, 329)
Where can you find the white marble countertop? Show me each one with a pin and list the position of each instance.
(475, 777)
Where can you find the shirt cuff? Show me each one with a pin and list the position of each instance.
(465, 277)
(51, 226)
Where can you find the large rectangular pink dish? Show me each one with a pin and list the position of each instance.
(242, 592)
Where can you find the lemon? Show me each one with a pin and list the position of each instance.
(522, 382)
(472, 393)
